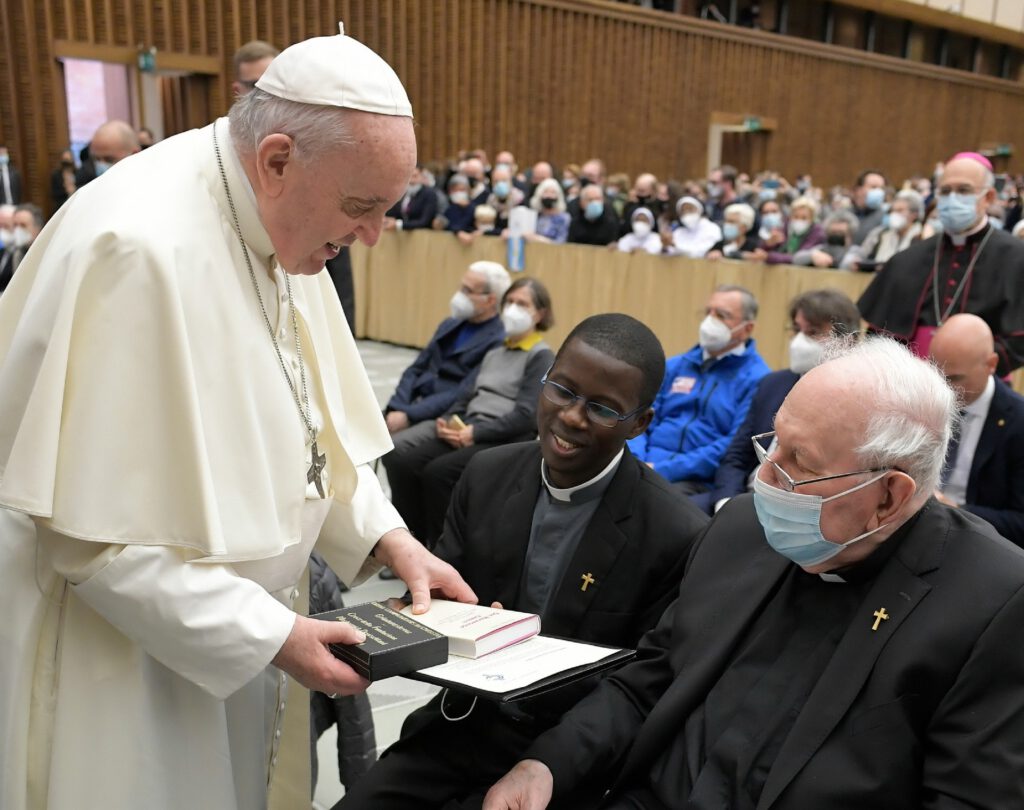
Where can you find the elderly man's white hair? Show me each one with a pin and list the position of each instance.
(912, 410)
(498, 279)
(316, 129)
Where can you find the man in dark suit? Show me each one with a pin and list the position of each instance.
(10, 180)
(984, 473)
(571, 527)
(416, 209)
(112, 142)
(430, 385)
(594, 221)
(841, 639)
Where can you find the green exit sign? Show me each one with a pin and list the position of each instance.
(752, 123)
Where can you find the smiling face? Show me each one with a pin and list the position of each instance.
(311, 209)
(574, 448)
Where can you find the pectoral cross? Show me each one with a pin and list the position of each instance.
(880, 616)
(588, 579)
(316, 470)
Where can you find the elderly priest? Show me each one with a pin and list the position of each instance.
(840, 640)
(184, 415)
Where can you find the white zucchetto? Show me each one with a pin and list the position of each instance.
(336, 71)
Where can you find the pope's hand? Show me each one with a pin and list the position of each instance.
(420, 570)
(527, 786)
(306, 658)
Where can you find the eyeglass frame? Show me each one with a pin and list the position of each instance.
(544, 382)
(787, 481)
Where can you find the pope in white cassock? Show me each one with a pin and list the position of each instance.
(184, 414)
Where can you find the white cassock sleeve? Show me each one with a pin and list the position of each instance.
(205, 622)
(368, 516)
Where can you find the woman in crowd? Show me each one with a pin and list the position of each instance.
(902, 229)
(737, 233)
(642, 236)
(496, 407)
(802, 233)
(695, 234)
(552, 219)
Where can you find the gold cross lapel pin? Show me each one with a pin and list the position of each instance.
(588, 579)
(880, 616)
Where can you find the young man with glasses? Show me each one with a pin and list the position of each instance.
(840, 638)
(571, 527)
(970, 267)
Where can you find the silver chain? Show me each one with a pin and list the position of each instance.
(303, 412)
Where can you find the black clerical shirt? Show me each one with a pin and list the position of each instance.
(725, 749)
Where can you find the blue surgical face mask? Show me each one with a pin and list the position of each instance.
(730, 231)
(792, 522)
(957, 212)
(771, 221)
(874, 198)
(594, 210)
(768, 194)
(501, 189)
(996, 223)
(5, 159)
(100, 166)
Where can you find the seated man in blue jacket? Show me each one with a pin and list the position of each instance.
(430, 385)
(705, 394)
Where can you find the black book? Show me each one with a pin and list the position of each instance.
(395, 644)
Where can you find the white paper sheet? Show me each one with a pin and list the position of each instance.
(519, 665)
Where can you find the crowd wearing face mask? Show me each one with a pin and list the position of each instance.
(729, 215)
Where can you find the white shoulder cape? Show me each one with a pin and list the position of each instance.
(142, 398)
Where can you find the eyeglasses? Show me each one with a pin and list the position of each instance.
(471, 291)
(785, 480)
(596, 412)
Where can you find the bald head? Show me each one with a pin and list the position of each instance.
(113, 142)
(964, 350)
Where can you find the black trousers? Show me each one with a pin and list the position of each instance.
(422, 476)
(444, 765)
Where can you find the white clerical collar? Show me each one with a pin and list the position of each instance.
(739, 351)
(827, 577)
(959, 239)
(566, 494)
(981, 405)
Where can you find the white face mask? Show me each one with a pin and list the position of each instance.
(22, 237)
(897, 221)
(799, 226)
(804, 353)
(6, 236)
(641, 230)
(462, 306)
(714, 334)
(690, 220)
(516, 320)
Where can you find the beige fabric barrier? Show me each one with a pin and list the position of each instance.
(403, 285)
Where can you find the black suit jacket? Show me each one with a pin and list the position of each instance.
(634, 547)
(430, 386)
(925, 712)
(995, 487)
(14, 177)
(421, 211)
